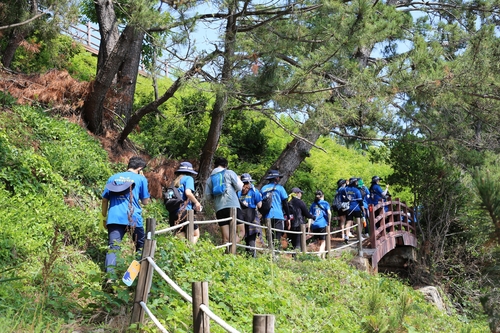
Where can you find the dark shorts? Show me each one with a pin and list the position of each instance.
(354, 214)
(342, 212)
(225, 213)
(173, 219)
(319, 230)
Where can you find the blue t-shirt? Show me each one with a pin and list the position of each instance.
(355, 200)
(366, 197)
(279, 195)
(118, 210)
(252, 198)
(187, 182)
(377, 195)
(320, 211)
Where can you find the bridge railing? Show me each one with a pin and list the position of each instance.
(392, 223)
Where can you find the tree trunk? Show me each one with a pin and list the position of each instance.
(108, 28)
(296, 151)
(15, 39)
(127, 78)
(218, 112)
(93, 106)
(134, 120)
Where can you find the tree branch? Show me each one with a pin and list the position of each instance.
(5, 27)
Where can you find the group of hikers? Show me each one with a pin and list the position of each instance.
(121, 211)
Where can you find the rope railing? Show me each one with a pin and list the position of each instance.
(199, 300)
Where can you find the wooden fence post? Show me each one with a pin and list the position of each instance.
(270, 244)
(190, 226)
(391, 217)
(360, 245)
(145, 273)
(233, 230)
(303, 236)
(373, 227)
(328, 240)
(89, 34)
(263, 324)
(201, 322)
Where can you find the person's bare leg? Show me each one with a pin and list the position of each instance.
(224, 232)
(240, 232)
(348, 228)
(322, 246)
(196, 235)
(343, 225)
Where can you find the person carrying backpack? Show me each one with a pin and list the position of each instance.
(299, 212)
(376, 192)
(365, 194)
(279, 199)
(221, 188)
(184, 182)
(250, 200)
(121, 211)
(320, 209)
(339, 199)
(355, 206)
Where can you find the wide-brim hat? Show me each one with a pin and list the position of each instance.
(117, 186)
(273, 174)
(246, 178)
(353, 180)
(360, 182)
(297, 190)
(186, 167)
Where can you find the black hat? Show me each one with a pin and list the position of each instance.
(297, 190)
(186, 167)
(273, 174)
(341, 182)
(353, 180)
(375, 179)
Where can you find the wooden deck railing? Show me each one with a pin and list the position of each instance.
(90, 38)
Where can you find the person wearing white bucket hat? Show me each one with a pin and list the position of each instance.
(121, 211)
(185, 184)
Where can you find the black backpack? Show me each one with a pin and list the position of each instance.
(341, 201)
(172, 199)
(296, 217)
(267, 202)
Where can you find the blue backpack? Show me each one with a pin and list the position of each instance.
(218, 183)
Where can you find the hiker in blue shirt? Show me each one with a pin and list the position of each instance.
(365, 194)
(227, 200)
(355, 206)
(279, 203)
(121, 211)
(342, 214)
(250, 200)
(320, 209)
(185, 183)
(376, 192)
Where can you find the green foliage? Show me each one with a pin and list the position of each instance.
(322, 169)
(304, 296)
(44, 55)
(82, 66)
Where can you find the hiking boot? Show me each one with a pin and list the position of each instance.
(346, 240)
